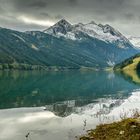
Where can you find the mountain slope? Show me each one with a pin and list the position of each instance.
(64, 46)
(132, 63)
(130, 68)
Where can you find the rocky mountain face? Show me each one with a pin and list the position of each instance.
(65, 46)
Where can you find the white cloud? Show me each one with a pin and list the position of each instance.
(29, 20)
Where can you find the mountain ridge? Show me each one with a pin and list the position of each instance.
(98, 30)
(65, 46)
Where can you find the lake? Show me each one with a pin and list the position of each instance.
(62, 105)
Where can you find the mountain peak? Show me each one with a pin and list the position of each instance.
(61, 26)
(63, 22)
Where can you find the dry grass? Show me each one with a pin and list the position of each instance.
(133, 65)
(133, 75)
(126, 129)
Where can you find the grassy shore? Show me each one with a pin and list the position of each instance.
(126, 129)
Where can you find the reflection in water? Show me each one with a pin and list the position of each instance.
(132, 76)
(45, 124)
(64, 109)
(73, 102)
(30, 89)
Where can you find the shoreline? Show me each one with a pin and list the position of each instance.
(30, 67)
(126, 129)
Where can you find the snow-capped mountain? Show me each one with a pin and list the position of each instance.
(60, 27)
(65, 46)
(135, 41)
(102, 32)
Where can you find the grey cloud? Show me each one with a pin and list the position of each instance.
(30, 3)
(49, 16)
(59, 17)
(73, 2)
(130, 16)
(38, 4)
(118, 13)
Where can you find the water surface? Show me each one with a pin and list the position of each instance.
(60, 105)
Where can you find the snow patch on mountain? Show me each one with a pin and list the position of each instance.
(135, 41)
(110, 63)
(69, 35)
(19, 37)
(34, 47)
(98, 32)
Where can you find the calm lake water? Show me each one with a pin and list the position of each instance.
(62, 105)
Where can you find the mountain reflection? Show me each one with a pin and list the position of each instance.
(30, 89)
(66, 108)
(132, 76)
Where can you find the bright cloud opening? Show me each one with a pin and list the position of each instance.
(28, 20)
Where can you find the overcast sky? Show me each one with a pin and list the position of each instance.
(124, 15)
